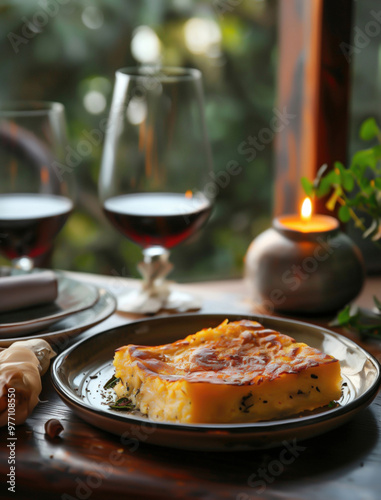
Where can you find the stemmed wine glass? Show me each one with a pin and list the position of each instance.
(155, 183)
(35, 200)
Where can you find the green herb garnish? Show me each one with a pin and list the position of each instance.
(365, 322)
(122, 404)
(111, 383)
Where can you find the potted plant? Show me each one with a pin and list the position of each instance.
(355, 192)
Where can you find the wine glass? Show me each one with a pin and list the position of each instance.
(155, 181)
(35, 199)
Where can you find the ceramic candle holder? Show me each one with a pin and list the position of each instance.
(304, 269)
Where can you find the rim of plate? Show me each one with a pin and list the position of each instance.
(62, 314)
(107, 310)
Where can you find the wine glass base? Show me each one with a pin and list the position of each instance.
(145, 302)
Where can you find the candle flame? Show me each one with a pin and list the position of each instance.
(306, 211)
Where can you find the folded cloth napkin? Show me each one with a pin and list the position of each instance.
(27, 290)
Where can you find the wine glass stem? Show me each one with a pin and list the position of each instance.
(23, 264)
(154, 268)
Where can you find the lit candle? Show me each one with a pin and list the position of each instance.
(307, 222)
(303, 264)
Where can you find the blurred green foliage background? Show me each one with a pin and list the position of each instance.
(70, 55)
(365, 101)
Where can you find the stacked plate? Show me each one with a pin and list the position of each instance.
(78, 307)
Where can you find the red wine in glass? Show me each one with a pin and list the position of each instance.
(34, 197)
(155, 179)
(158, 219)
(29, 222)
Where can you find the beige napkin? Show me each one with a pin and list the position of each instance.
(22, 291)
(21, 367)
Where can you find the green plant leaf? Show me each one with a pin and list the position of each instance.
(344, 213)
(365, 185)
(122, 404)
(357, 170)
(348, 182)
(327, 183)
(377, 151)
(111, 382)
(339, 166)
(343, 317)
(356, 189)
(346, 177)
(364, 158)
(377, 302)
(307, 186)
(369, 129)
(361, 320)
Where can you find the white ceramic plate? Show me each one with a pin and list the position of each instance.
(80, 372)
(73, 297)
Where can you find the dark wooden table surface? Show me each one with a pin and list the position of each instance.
(85, 462)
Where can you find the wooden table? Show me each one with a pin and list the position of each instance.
(88, 463)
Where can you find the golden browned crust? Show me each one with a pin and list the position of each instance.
(237, 353)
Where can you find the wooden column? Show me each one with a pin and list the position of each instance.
(314, 88)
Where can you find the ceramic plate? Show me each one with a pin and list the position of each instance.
(81, 371)
(73, 296)
(60, 332)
